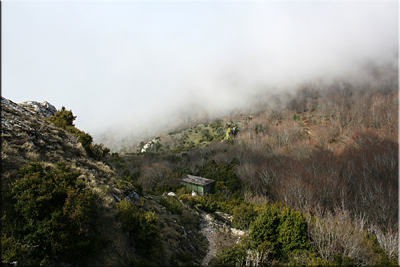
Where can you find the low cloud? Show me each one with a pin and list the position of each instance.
(135, 68)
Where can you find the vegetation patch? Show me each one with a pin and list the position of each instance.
(49, 216)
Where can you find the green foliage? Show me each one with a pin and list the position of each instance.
(63, 118)
(295, 117)
(189, 199)
(51, 213)
(183, 190)
(228, 133)
(222, 171)
(85, 139)
(264, 231)
(207, 203)
(243, 216)
(99, 151)
(220, 133)
(280, 231)
(216, 124)
(12, 250)
(233, 256)
(143, 226)
(378, 255)
(206, 135)
(339, 260)
(292, 231)
(171, 204)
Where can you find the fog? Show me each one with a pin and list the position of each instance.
(133, 68)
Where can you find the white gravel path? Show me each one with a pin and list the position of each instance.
(207, 229)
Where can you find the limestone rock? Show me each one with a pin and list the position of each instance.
(45, 108)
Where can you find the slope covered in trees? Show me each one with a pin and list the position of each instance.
(311, 178)
(62, 206)
(329, 151)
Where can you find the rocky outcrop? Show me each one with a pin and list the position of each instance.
(45, 109)
(149, 145)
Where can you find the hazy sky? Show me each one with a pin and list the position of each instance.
(110, 61)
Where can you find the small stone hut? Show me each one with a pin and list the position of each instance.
(198, 184)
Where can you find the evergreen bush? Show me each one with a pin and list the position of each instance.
(280, 231)
(243, 216)
(171, 204)
(51, 214)
(233, 256)
(143, 226)
(63, 118)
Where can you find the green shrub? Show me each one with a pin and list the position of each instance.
(377, 254)
(227, 134)
(99, 151)
(51, 213)
(63, 118)
(182, 191)
(143, 226)
(339, 260)
(12, 250)
(221, 171)
(207, 203)
(189, 199)
(233, 256)
(296, 117)
(243, 216)
(292, 231)
(171, 204)
(280, 231)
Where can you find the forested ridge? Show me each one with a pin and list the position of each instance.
(311, 178)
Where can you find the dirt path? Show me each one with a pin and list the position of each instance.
(208, 229)
(211, 227)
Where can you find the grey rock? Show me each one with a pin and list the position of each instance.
(45, 108)
(133, 195)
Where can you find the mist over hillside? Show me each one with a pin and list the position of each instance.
(195, 133)
(129, 68)
(189, 108)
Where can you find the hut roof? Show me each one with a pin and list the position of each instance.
(191, 179)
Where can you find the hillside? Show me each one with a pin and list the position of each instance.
(29, 138)
(311, 181)
(330, 151)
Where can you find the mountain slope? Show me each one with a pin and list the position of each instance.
(28, 136)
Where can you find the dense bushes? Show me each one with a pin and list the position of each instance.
(244, 215)
(143, 226)
(278, 231)
(63, 118)
(171, 205)
(232, 256)
(221, 171)
(50, 216)
(206, 203)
